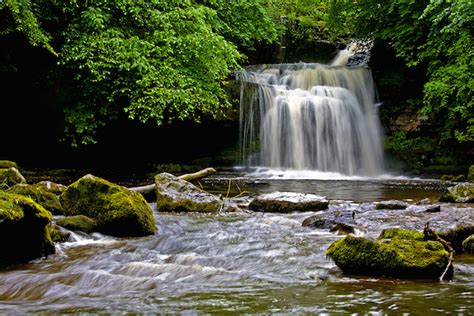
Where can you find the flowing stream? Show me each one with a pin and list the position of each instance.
(241, 263)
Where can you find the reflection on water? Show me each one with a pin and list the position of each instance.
(233, 263)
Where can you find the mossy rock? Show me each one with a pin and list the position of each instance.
(78, 222)
(470, 174)
(117, 210)
(57, 235)
(468, 245)
(24, 233)
(11, 176)
(40, 193)
(461, 193)
(177, 195)
(457, 235)
(398, 258)
(6, 164)
(393, 233)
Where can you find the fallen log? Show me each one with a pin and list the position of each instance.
(430, 234)
(146, 189)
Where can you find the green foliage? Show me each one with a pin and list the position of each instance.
(151, 60)
(20, 16)
(434, 33)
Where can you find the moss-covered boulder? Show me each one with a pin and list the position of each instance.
(177, 195)
(47, 195)
(461, 193)
(468, 245)
(118, 211)
(470, 174)
(457, 235)
(78, 222)
(11, 176)
(400, 233)
(287, 202)
(57, 234)
(6, 164)
(24, 233)
(399, 258)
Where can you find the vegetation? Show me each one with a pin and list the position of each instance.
(434, 38)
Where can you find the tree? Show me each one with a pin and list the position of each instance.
(436, 33)
(154, 60)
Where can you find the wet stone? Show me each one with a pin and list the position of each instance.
(287, 202)
(391, 205)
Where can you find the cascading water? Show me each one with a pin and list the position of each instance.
(311, 117)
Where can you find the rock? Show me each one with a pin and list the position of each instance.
(6, 164)
(432, 208)
(118, 211)
(342, 229)
(399, 258)
(78, 222)
(24, 233)
(392, 233)
(52, 187)
(57, 234)
(341, 221)
(453, 178)
(470, 175)
(11, 176)
(287, 202)
(468, 245)
(41, 193)
(177, 195)
(391, 205)
(457, 235)
(460, 193)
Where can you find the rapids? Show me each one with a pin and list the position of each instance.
(241, 262)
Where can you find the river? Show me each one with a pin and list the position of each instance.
(240, 263)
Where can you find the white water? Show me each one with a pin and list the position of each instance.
(311, 117)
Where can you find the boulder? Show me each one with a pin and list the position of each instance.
(470, 174)
(11, 176)
(118, 211)
(78, 222)
(397, 257)
(47, 195)
(461, 193)
(468, 245)
(24, 233)
(287, 202)
(341, 221)
(57, 234)
(457, 235)
(177, 195)
(391, 205)
(6, 164)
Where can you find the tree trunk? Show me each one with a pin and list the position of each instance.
(188, 177)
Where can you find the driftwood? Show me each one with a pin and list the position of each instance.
(188, 177)
(432, 235)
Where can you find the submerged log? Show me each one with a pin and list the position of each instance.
(146, 189)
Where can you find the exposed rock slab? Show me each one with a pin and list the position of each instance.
(177, 195)
(287, 202)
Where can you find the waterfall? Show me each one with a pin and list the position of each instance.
(310, 117)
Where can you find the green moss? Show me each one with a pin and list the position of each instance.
(461, 193)
(23, 229)
(39, 194)
(117, 210)
(401, 258)
(470, 174)
(57, 235)
(400, 233)
(166, 204)
(5, 164)
(457, 235)
(468, 245)
(11, 177)
(78, 222)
